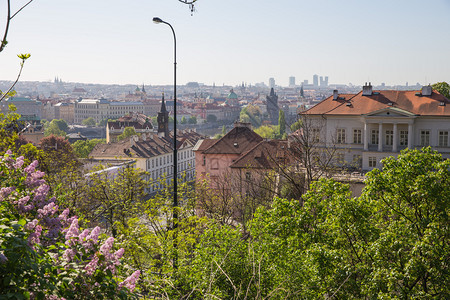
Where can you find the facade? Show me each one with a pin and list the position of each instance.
(153, 152)
(28, 109)
(101, 109)
(371, 125)
(140, 122)
(272, 107)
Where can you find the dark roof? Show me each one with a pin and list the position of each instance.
(237, 141)
(264, 155)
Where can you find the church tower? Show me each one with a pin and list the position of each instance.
(272, 107)
(163, 120)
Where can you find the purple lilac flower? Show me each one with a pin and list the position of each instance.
(41, 193)
(107, 246)
(91, 266)
(130, 282)
(68, 254)
(34, 237)
(19, 162)
(72, 232)
(5, 191)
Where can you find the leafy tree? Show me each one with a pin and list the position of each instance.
(251, 114)
(127, 132)
(183, 120)
(443, 88)
(43, 252)
(83, 148)
(88, 122)
(10, 126)
(114, 195)
(282, 122)
(192, 120)
(267, 131)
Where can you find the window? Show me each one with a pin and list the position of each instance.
(315, 135)
(375, 134)
(204, 160)
(248, 176)
(424, 138)
(372, 162)
(443, 138)
(403, 137)
(341, 136)
(215, 164)
(357, 136)
(389, 137)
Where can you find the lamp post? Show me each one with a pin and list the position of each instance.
(175, 157)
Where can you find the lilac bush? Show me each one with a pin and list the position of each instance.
(43, 252)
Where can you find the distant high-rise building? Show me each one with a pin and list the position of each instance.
(326, 80)
(316, 80)
(292, 81)
(271, 82)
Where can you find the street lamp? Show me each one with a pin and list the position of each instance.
(157, 20)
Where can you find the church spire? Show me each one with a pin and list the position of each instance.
(163, 120)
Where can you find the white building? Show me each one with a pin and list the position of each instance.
(371, 125)
(101, 109)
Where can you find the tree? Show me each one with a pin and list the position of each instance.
(443, 88)
(43, 252)
(127, 132)
(88, 122)
(267, 131)
(83, 148)
(282, 122)
(192, 120)
(56, 127)
(183, 120)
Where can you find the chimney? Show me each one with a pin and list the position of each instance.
(132, 143)
(427, 90)
(144, 137)
(335, 94)
(367, 90)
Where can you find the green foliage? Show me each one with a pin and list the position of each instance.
(251, 114)
(127, 132)
(443, 88)
(83, 148)
(183, 120)
(88, 122)
(192, 120)
(296, 126)
(56, 127)
(9, 129)
(268, 131)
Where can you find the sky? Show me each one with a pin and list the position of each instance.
(230, 41)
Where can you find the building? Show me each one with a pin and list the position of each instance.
(316, 80)
(28, 109)
(292, 81)
(371, 125)
(272, 107)
(153, 153)
(102, 109)
(140, 122)
(271, 83)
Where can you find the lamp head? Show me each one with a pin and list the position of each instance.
(157, 20)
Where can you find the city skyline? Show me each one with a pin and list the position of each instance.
(230, 42)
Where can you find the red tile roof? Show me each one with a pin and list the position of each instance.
(238, 140)
(410, 101)
(264, 155)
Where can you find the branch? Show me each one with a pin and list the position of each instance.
(4, 42)
(23, 8)
(24, 57)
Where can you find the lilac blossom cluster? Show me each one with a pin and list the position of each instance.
(28, 193)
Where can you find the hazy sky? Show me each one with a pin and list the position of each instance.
(230, 41)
